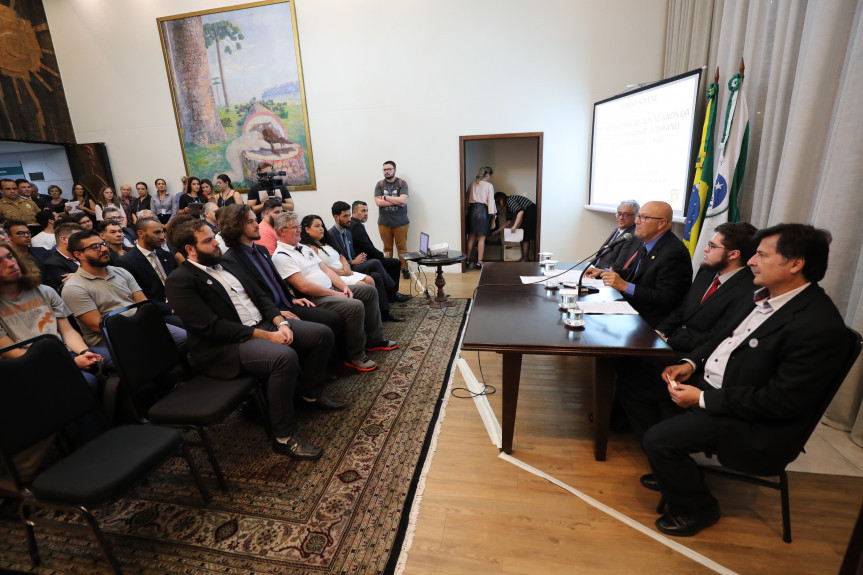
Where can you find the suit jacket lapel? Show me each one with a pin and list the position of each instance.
(208, 282)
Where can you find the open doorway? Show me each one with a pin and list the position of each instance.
(517, 163)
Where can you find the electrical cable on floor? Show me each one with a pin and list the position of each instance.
(486, 389)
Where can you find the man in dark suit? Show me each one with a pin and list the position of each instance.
(60, 264)
(343, 242)
(363, 244)
(239, 232)
(151, 265)
(625, 225)
(754, 385)
(235, 330)
(723, 286)
(656, 276)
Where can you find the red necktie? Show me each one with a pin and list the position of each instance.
(629, 261)
(713, 287)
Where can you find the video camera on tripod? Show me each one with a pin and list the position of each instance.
(272, 179)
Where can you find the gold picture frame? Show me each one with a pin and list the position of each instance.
(238, 94)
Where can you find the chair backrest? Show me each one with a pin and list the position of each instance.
(41, 392)
(140, 343)
(854, 344)
(144, 353)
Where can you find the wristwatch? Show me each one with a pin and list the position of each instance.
(284, 322)
(82, 352)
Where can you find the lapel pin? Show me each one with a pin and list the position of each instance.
(753, 343)
(209, 282)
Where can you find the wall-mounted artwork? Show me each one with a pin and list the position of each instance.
(32, 102)
(237, 84)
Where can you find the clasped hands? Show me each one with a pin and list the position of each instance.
(683, 395)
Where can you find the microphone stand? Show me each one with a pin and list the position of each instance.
(584, 290)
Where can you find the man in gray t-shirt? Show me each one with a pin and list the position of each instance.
(391, 197)
(97, 288)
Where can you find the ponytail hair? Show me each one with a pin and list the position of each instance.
(483, 172)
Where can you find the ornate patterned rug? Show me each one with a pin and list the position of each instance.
(346, 513)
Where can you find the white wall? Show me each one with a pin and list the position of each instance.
(387, 79)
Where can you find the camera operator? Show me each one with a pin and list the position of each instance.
(270, 185)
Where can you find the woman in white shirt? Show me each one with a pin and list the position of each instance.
(315, 235)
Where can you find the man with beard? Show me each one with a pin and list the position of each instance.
(236, 329)
(723, 285)
(269, 238)
(656, 277)
(98, 288)
(61, 264)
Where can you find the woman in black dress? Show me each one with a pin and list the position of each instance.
(227, 194)
(142, 202)
(192, 195)
(57, 203)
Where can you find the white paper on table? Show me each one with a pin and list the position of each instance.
(564, 277)
(620, 307)
(508, 236)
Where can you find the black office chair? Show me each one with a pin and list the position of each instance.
(144, 354)
(854, 344)
(42, 392)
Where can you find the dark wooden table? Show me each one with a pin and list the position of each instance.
(441, 300)
(513, 319)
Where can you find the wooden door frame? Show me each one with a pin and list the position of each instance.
(523, 135)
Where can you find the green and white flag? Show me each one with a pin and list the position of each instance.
(732, 166)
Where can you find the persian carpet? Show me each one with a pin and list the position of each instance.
(345, 513)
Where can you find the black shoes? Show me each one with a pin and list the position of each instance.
(325, 403)
(401, 298)
(297, 448)
(390, 316)
(649, 481)
(686, 525)
(385, 345)
(406, 274)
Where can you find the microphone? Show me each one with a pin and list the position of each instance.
(619, 239)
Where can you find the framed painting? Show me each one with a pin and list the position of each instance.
(237, 85)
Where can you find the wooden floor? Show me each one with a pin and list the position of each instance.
(480, 514)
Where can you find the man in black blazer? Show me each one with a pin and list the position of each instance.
(60, 264)
(723, 286)
(151, 265)
(363, 244)
(237, 329)
(625, 225)
(239, 233)
(754, 387)
(656, 277)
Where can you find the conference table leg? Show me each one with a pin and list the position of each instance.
(509, 396)
(603, 394)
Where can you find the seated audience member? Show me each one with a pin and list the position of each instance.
(13, 206)
(20, 238)
(210, 209)
(116, 215)
(98, 288)
(269, 239)
(4, 235)
(112, 233)
(236, 331)
(363, 244)
(151, 265)
(56, 203)
(248, 260)
(315, 235)
(29, 309)
(45, 239)
(621, 252)
(61, 263)
(83, 219)
(756, 383)
(343, 241)
(306, 273)
(516, 212)
(723, 284)
(655, 279)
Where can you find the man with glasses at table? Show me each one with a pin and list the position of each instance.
(98, 288)
(655, 278)
(625, 215)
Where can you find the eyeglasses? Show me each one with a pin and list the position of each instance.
(643, 217)
(95, 247)
(389, 169)
(624, 214)
(711, 246)
(294, 227)
(23, 233)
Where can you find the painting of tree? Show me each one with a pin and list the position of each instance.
(236, 81)
(226, 37)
